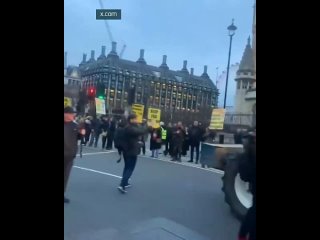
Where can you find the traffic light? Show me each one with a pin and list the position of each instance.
(101, 91)
(91, 92)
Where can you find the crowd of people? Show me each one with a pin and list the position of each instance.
(129, 137)
(176, 138)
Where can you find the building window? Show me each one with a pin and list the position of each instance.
(156, 101)
(238, 85)
(244, 85)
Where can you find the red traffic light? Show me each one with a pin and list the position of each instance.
(91, 92)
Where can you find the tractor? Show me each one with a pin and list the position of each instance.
(225, 157)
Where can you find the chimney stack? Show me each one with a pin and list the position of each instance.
(114, 47)
(84, 58)
(191, 71)
(103, 53)
(113, 52)
(164, 62)
(92, 54)
(184, 69)
(141, 58)
(205, 69)
(164, 59)
(185, 64)
(141, 53)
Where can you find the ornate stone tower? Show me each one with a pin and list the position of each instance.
(245, 81)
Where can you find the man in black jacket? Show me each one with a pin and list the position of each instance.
(195, 136)
(72, 134)
(131, 151)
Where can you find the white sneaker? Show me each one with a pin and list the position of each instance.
(121, 189)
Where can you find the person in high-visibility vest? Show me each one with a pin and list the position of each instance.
(164, 137)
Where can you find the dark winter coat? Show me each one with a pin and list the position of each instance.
(132, 133)
(155, 139)
(195, 135)
(71, 137)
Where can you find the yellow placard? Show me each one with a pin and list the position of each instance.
(67, 102)
(217, 119)
(100, 106)
(154, 116)
(138, 109)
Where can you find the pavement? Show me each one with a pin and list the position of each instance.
(167, 201)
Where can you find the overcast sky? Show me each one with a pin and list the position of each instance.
(192, 30)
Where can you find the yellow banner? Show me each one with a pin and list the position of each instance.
(217, 119)
(100, 106)
(67, 102)
(154, 116)
(138, 109)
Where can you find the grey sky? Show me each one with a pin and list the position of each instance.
(193, 30)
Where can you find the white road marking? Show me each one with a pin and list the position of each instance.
(186, 164)
(95, 171)
(95, 153)
(162, 160)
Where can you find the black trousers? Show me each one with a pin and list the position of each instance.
(143, 147)
(248, 225)
(197, 147)
(104, 140)
(166, 144)
(68, 163)
(129, 166)
(176, 152)
(110, 138)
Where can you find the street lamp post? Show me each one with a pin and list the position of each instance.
(232, 30)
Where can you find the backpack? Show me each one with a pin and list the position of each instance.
(120, 139)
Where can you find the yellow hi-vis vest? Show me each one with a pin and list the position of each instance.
(163, 134)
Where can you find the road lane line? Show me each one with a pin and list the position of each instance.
(95, 171)
(95, 153)
(187, 165)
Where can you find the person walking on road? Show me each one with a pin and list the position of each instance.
(72, 133)
(131, 151)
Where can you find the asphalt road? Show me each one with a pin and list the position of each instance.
(167, 201)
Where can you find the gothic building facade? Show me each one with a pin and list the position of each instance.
(179, 94)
